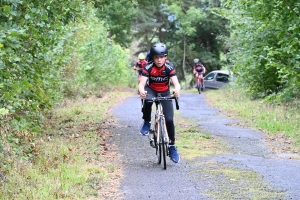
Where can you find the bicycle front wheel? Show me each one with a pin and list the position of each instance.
(199, 85)
(162, 143)
(157, 142)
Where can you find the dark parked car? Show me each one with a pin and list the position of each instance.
(216, 79)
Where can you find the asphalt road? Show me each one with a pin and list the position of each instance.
(143, 178)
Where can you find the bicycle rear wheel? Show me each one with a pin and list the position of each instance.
(162, 143)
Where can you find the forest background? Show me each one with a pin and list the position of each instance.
(54, 50)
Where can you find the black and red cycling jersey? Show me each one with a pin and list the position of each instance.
(199, 68)
(159, 77)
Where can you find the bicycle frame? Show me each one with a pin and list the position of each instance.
(161, 132)
(160, 139)
(199, 83)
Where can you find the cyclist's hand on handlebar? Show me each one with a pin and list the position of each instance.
(176, 93)
(143, 94)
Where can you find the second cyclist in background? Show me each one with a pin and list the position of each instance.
(140, 64)
(198, 70)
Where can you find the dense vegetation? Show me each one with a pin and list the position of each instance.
(264, 47)
(190, 29)
(50, 51)
(54, 50)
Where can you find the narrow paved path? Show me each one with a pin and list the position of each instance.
(144, 179)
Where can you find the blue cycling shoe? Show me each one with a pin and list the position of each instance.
(174, 155)
(145, 128)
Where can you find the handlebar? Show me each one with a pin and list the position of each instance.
(159, 98)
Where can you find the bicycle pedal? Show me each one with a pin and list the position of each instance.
(152, 143)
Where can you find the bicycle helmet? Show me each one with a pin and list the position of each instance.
(159, 49)
(196, 60)
(141, 56)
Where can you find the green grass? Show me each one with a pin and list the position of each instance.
(273, 119)
(192, 143)
(71, 160)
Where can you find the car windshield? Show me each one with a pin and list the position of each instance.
(210, 76)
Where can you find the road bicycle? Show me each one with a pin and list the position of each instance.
(158, 134)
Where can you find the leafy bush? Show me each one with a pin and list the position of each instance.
(95, 61)
(264, 48)
(49, 50)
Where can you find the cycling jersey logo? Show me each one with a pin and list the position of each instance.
(159, 79)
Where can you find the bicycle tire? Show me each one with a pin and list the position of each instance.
(199, 86)
(158, 147)
(162, 142)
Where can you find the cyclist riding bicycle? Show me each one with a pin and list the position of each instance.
(140, 64)
(158, 75)
(198, 70)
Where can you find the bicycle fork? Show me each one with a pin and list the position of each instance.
(151, 138)
(153, 134)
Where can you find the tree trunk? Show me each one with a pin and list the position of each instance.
(183, 60)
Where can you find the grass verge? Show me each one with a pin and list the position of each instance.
(280, 122)
(192, 143)
(72, 159)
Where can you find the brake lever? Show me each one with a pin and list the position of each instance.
(176, 101)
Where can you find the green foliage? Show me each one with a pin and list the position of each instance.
(29, 64)
(95, 61)
(264, 49)
(189, 28)
(31, 42)
(199, 28)
(49, 51)
(119, 15)
(149, 26)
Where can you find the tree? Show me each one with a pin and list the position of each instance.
(185, 21)
(189, 28)
(118, 16)
(264, 47)
(205, 28)
(150, 26)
